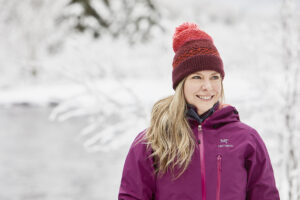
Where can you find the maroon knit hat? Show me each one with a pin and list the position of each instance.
(194, 51)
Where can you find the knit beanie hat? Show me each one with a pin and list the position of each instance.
(194, 51)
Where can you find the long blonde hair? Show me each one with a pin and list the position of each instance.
(169, 135)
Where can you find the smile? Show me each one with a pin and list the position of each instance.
(206, 98)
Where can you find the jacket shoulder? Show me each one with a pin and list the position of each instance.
(244, 127)
(139, 145)
(139, 140)
(253, 138)
(247, 132)
(251, 132)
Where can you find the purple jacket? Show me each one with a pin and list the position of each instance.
(230, 162)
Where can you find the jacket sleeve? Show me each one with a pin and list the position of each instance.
(138, 179)
(261, 182)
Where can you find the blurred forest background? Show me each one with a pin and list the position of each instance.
(79, 79)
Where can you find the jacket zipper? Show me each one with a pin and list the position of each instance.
(202, 161)
(219, 168)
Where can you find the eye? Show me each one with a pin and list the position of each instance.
(196, 77)
(215, 77)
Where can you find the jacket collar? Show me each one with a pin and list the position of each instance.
(192, 112)
(215, 117)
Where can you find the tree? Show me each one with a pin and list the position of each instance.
(27, 29)
(291, 52)
(134, 19)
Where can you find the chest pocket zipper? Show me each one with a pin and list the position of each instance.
(219, 170)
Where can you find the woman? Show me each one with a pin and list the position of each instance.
(196, 146)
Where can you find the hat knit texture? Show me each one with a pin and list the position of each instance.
(194, 51)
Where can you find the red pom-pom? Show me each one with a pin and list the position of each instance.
(186, 32)
(184, 26)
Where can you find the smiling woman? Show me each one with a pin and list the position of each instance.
(196, 147)
(203, 89)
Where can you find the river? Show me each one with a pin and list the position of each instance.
(42, 159)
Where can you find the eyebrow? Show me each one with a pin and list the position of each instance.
(210, 74)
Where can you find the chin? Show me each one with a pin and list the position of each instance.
(203, 107)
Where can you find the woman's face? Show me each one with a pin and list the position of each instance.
(203, 89)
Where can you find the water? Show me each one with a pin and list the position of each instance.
(45, 160)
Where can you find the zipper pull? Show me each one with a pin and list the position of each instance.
(199, 127)
(219, 158)
(199, 130)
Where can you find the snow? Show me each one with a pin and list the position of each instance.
(38, 95)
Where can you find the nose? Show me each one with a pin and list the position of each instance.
(206, 85)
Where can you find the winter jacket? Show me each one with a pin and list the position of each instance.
(230, 162)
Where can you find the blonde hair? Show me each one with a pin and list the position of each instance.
(169, 135)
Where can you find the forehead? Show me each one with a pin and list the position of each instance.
(206, 72)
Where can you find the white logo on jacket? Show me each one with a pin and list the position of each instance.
(224, 143)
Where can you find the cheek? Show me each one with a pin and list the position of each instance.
(218, 88)
(185, 91)
(188, 91)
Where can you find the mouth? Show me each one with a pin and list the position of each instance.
(205, 98)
